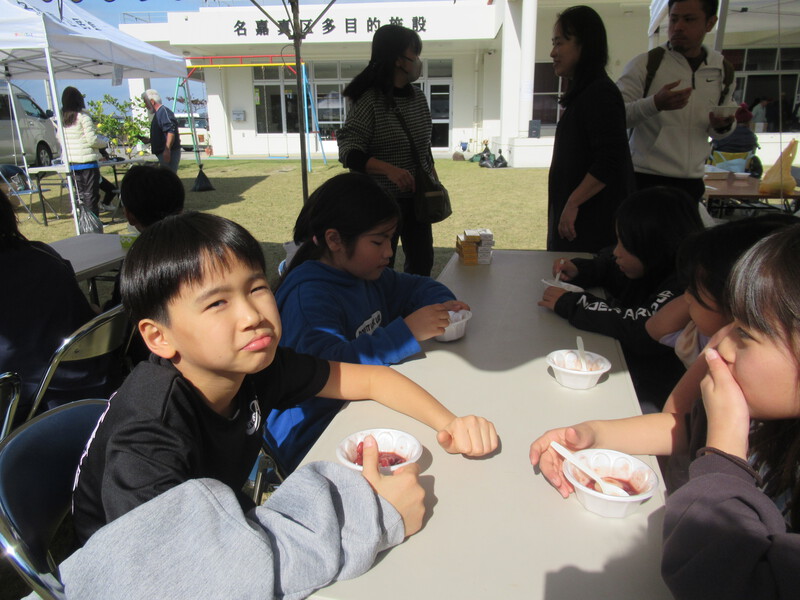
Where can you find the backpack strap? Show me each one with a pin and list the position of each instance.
(727, 80)
(656, 55)
(654, 58)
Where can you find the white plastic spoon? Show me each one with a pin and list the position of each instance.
(582, 353)
(558, 275)
(605, 487)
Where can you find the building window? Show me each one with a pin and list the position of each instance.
(771, 74)
(326, 70)
(330, 109)
(439, 100)
(269, 117)
(546, 91)
(761, 59)
(350, 69)
(440, 67)
(275, 97)
(267, 73)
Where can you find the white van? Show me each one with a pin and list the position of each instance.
(37, 128)
(200, 130)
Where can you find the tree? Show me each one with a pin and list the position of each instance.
(124, 125)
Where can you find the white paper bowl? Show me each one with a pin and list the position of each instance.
(610, 463)
(575, 378)
(562, 284)
(741, 175)
(724, 111)
(457, 328)
(389, 440)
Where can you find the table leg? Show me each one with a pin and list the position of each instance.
(41, 201)
(94, 297)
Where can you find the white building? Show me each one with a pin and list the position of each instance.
(486, 73)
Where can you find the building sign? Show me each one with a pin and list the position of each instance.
(350, 25)
(465, 20)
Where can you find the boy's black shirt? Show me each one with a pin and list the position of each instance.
(158, 433)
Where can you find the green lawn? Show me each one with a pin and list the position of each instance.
(265, 196)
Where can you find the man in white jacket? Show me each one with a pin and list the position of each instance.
(672, 118)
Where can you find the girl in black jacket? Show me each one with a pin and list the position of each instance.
(638, 276)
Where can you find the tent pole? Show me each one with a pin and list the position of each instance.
(722, 22)
(192, 126)
(62, 138)
(298, 38)
(12, 100)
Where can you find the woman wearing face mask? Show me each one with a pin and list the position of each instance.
(591, 170)
(373, 139)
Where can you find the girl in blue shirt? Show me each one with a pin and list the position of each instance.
(339, 300)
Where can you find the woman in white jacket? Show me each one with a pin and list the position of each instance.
(82, 143)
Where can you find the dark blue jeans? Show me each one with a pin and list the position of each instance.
(417, 240)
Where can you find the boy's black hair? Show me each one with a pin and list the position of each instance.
(177, 251)
(652, 223)
(350, 203)
(710, 7)
(151, 193)
(705, 259)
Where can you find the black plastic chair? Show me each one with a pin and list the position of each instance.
(104, 334)
(20, 186)
(9, 399)
(38, 462)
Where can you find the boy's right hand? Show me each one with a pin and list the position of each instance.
(576, 437)
(402, 489)
(430, 321)
(568, 269)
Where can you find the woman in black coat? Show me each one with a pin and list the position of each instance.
(591, 170)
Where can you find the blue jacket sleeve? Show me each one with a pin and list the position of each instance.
(320, 331)
(407, 293)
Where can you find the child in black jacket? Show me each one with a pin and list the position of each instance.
(638, 276)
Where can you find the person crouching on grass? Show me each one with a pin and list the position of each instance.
(196, 286)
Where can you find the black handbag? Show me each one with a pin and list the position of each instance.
(431, 200)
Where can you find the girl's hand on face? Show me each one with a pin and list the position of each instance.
(566, 225)
(551, 296)
(726, 407)
(428, 321)
(549, 461)
(402, 178)
(470, 435)
(568, 269)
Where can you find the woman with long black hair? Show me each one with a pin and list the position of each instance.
(374, 139)
(591, 170)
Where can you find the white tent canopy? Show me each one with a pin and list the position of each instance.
(36, 42)
(80, 45)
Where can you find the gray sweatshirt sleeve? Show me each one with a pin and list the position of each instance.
(325, 523)
(724, 538)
